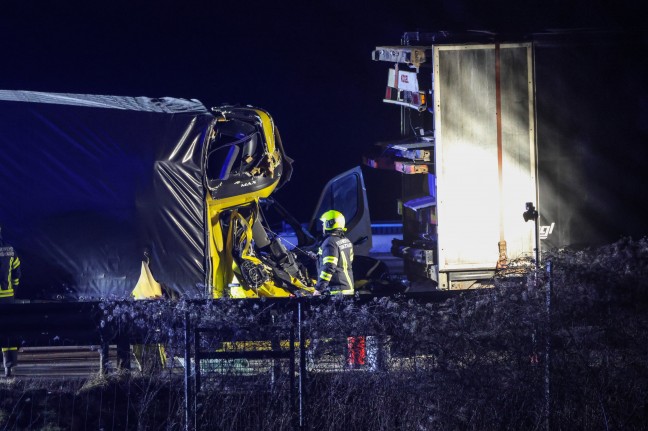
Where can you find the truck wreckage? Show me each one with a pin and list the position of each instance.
(95, 183)
(96, 180)
(115, 177)
(246, 162)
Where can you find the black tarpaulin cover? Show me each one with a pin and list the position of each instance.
(90, 182)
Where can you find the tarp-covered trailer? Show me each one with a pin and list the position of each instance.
(89, 183)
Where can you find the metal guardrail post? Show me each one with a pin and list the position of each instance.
(104, 351)
(123, 349)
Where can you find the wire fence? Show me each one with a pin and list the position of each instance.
(558, 348)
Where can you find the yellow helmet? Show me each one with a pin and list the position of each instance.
(332, 220)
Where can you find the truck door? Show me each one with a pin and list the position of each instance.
(346, 193)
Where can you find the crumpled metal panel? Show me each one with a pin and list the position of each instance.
(90, 182)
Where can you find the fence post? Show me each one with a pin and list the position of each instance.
(292, 369)
(302, 366)
(197, 351)
(547, 378)
(189, 426)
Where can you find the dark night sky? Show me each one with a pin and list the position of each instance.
(307, 63)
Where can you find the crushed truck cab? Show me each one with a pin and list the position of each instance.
(102, 193)
(246, 162)
(114, 197)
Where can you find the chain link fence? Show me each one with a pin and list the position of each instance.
(558, 348)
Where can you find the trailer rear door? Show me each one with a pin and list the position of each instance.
(485, 153)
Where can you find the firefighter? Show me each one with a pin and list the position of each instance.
(335, 257)
(9, 280)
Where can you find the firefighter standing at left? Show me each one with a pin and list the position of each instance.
(9, 280)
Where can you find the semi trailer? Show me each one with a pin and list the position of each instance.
(509, 145)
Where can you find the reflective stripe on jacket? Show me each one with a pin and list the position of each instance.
(9, 270)
(335, 273)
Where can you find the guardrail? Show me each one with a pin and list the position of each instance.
(227, 343)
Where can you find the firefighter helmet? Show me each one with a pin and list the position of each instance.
(332, 220)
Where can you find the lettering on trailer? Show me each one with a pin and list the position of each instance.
(545, 231)
(6, 252)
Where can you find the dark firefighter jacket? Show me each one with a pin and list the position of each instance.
(9, 270)
(334, 264)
